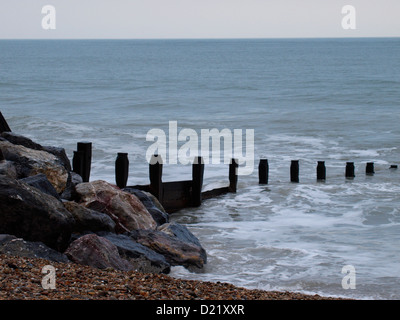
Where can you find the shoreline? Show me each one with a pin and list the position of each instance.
(21, 279)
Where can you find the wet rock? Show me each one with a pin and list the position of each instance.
(29, 162)
(14, 246)
(142, 258)
(180, 232)
(97, 252)
(41, 182)
(124, 208)
(155, 209)
(33, 215)
(89, 220)
(175, 251)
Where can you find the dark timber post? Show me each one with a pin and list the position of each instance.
(321, 171)
(197, 180)
(77, 162)
(86, 148)
(233, 175)
(2, 156)
(294, 171)
(369, 169)
(3, 124)
(155, 173)
(263, 173)
(350, 170)
(121, 169)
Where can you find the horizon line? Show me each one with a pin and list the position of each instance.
(209, 38)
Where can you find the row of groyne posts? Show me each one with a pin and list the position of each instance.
(177, 195)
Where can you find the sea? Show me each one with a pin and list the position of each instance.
(332, 100)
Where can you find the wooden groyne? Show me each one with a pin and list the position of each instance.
(177, 195)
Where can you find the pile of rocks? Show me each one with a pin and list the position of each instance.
(46, 211)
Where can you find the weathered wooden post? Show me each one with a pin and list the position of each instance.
(121, 169)
(263, 171)
(294, 171)
(197, 180)
(233, 175)
(321, 171)
(77, 162)
(155, 174)
(350, 170)
(86, 149)
(369, 169)
(3, 124)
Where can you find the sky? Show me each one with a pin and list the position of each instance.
(165, 19)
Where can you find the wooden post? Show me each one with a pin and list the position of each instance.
(294, 171)
(2, 156)
(155, 174)
(77, 162)
(369, 169)
(350, 170)
(321, 171)
(197, 181)
(263, 171)
(233, 175)
(121, 170)
(86, 149)
(3, 124)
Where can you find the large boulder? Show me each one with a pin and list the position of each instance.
(18, 139)
(175, 251)
(30, 162)
(14, 246)
(33, 215)
(98, 252)
(155, 209)
(124, 208)
(41, 182)
(142, 258)
(181, 232)
(89, 220)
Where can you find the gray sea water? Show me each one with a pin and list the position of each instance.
(335, 100)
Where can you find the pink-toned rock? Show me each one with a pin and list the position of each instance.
(124, 208)
(97, 252)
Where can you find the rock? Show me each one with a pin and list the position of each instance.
(33, 215)
(70, 192)
(4, 238)
(97, 252)
(41, 182)
(89, 220)
(60, 155)
(14, 246)
(180, 232)
(159, 216)
(17, 139)
(29, 162)
(142, 258)
(175, 251)
(8, 168)
(124, 208)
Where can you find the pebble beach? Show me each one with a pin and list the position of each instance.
(21, 279)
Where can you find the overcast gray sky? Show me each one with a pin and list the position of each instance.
(22, 19)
